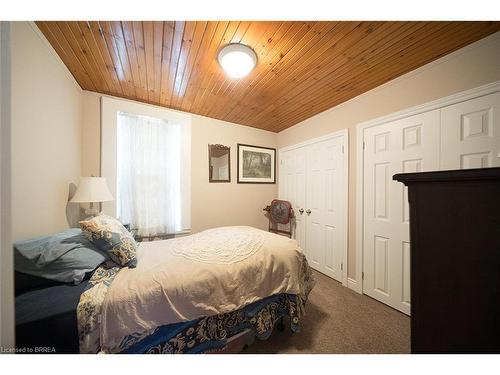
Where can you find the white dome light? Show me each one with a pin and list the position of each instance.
(237, 60)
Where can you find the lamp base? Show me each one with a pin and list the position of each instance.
(91, 211)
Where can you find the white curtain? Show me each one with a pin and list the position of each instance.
(148, 174)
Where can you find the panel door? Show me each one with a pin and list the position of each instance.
(293, 189)
(406, 145)
(326, 206)
(315, 201)
(299, 201)
(470, 133)
(335, 207)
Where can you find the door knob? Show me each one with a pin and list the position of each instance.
(308, 211)
(301, 211)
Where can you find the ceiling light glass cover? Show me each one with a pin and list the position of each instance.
(237, 60)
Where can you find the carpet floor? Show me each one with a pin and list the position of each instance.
(339, 320)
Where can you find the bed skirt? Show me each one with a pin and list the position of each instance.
(212, 333)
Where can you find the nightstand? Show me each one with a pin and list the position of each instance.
(133, 232)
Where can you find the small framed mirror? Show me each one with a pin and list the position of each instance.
(219, 163)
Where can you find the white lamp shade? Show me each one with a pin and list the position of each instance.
(237, 60)
(92, 189)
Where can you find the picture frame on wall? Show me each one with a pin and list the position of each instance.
(256, 164)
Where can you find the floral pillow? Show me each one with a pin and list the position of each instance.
(109, 235)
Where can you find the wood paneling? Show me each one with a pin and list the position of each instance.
(303, 67)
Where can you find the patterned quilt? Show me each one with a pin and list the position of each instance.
(203, 332)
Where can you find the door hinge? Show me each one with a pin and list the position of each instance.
(364, 145)
(362, 275)
(341, 266)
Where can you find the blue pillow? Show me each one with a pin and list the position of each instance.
(64, 257)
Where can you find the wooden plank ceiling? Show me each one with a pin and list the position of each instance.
(303, 67)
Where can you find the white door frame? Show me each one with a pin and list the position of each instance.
(341, 133)
(360, 128)
(6, 256)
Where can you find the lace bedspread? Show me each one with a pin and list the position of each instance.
(181, 280)
(218, 246)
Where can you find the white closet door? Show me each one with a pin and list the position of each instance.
(292, 187)
(407, 145)
(299, 200)
(470, 133)
(315, 202)
(313, 178)
(335, 208)
(325, 206)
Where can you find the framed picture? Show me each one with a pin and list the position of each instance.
(256, 165)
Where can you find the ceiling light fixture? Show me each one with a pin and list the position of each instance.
(237, 60)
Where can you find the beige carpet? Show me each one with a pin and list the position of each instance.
(339, 320)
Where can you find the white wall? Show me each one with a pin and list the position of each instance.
(220, 204)
(6, 262)
(469, 67)
(46, 136)
(212, 204)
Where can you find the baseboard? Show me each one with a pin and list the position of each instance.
(353, 284)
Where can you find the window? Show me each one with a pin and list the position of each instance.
(149, 174)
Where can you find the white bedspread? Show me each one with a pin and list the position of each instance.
(212, 272)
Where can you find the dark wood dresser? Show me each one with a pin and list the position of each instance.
(455, 260)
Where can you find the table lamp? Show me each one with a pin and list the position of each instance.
(92, 190)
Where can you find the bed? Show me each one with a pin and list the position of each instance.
(46, 314)
(194, 294)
